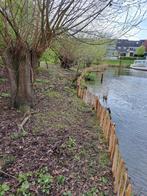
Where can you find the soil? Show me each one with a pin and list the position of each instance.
(60, 150)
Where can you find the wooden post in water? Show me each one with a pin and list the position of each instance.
(102, 77)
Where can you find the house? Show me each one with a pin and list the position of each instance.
(125, 47)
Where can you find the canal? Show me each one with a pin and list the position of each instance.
(126, 90)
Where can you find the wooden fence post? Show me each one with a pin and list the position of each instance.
(114, 141)
(123, 182)
(118, 174)
(105, 122)
(99, 111)
(128, 190)
(102, 116)
(112, 132)
(108, 128)
(115, 160)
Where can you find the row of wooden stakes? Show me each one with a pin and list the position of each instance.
(122, 185)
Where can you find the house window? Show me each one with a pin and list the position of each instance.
(131, 49)
(123, 54)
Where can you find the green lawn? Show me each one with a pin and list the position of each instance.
(123, 62)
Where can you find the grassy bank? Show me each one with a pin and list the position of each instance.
(61, 150)
(123, 62)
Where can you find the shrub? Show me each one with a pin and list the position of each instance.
(90, 76)
(131, 57)
(128, 58)
(3, 189)
(60, 180)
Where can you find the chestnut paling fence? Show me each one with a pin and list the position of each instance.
(122, 185)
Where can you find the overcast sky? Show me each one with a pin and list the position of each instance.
(133, 12)
(138, 33)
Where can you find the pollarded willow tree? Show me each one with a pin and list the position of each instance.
(73, 51)
(66, 49)
(27, 28)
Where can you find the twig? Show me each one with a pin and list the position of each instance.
(7, 174)
(20, 126)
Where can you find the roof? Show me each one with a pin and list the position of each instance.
(123, 45)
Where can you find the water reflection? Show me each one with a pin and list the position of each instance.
(127, 98)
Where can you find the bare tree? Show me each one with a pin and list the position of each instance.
(27, 28)
(66, 49)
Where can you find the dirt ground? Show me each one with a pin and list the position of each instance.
(61, 150)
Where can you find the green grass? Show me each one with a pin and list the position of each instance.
(42, 81)
(53, 94)
(3, 189)
(60, 180)
(70, 144)
(68, 193)
(42, 68)
(5, 95)
(2, 80)
(92, 192)
(126, 62)
(103, 159)
(18, 135)
(104, 180)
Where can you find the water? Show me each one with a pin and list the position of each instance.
(127, 98)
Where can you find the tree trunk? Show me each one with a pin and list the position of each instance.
(13, 85)
(8, 61)
(66, 63)
(24, 94)
(20, 64)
